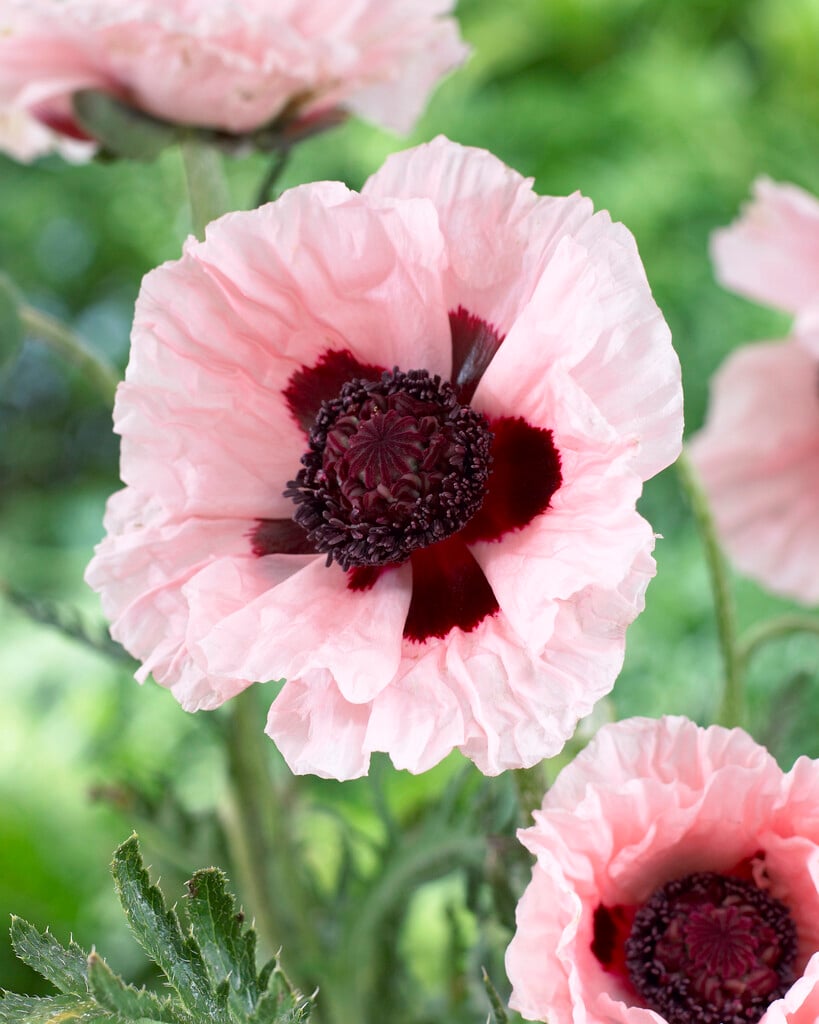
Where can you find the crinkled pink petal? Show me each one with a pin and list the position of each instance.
(499, 234)
(648, 802)
(771, 253)
(233, 68)
(141, 573)
(203, 421)
(318, 731)
(758, 459)
(312, 622)
(567, 285)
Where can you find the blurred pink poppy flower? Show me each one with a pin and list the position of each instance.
(675, 882)
(758, 452)
(222, 65)
(388, 446)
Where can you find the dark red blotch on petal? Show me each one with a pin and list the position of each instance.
(310, 386)
(449, 589)
(474, 343)
(612, 926)
(279, 537)
(525, 474)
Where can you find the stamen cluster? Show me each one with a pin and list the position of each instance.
(393, 465)
(711, 949)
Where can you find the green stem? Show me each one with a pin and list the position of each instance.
(264, 193)
(774, 629)
(531, 784)
(72, 347)
(207, 186)
(732, 706)
(260, 839)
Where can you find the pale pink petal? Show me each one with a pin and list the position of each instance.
(758, 459)
(25, 138)
(203, 399)
(771, 253)
(140, 574)
(592, 318)
(314, 622)
(318, 731)
(499, 234)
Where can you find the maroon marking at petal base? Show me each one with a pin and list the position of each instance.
(612, 926)
(449, 589)
(474, 343)
(310, 386)
(279, 537)
(363, 577)
(63, 124)
(525, 474)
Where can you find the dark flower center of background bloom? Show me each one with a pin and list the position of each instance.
(393, 465)
(711, 949)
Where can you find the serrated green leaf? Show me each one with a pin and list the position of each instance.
(279, 1008)
(229, 953)
(122, 130)
(16, 1009)
(281, 1002)
(157, 930)
(12, 333)
(114, 995)
(66, 969)
(498, 1014)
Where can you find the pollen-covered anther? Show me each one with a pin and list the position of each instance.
(393, 465)
(711, 949)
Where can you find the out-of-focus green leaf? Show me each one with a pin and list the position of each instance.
(158, 932)
(122, 130)
(228, 952)
(66, 969)
(11, 326)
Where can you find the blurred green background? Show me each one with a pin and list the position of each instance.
(663, 111)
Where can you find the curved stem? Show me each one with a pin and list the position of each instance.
(207, 186)
(774, 629)
(731, 710)
(531, 784)
(264, 193)
(72, 347)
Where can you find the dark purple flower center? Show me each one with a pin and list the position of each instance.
(393, 465)
(711, 949)
(400, 468)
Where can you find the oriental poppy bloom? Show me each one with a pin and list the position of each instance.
(764, 495)
(675, 883)
(237, 68)
(388, 446)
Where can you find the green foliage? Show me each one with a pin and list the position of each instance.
(498, 1014)
(11, 326)
(210, 967)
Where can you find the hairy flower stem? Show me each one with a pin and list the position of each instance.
(774, 629)
(71, 346)
(531, 784)
(207, 186)
(731, 710)
(259, 835)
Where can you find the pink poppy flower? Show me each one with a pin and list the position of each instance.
(676, 881)
(227, 66)
(388, 447)
(764, 495)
